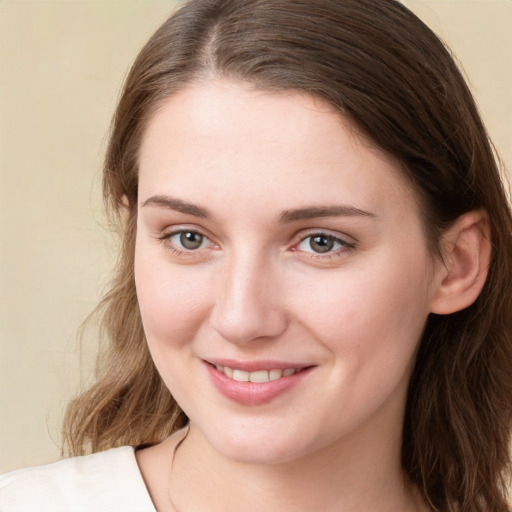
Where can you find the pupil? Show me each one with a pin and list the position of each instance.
(191, 240)
(321, 243)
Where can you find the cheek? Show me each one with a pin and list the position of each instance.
(370, 317)
(172, 306)
(171, 303)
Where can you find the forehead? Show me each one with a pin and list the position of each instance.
(227, 140)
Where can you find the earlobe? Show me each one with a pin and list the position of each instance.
(466, 250)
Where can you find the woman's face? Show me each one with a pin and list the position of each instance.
(275, 245)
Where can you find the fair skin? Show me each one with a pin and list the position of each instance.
(270, 236)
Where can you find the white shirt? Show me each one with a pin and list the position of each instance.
(107, 481)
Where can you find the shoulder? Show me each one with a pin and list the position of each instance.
(107, 480)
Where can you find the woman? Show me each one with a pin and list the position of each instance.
(312, 305)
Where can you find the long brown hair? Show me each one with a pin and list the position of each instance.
(393, 78)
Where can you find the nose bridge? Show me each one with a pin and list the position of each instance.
(248, 305)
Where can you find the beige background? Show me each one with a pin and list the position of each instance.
(61, 66)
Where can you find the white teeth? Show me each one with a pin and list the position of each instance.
(275, 374)
(261, 376)
(240, 376)
(257, 376)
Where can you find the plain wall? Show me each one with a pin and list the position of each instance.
(61, 67)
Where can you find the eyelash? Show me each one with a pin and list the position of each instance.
(344, 245)
(166, 239)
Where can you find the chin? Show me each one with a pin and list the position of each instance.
(258, 444)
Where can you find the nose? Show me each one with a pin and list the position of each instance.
(248, 306)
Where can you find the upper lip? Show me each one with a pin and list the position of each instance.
(254, 366)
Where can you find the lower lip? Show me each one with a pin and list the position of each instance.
(251, 393)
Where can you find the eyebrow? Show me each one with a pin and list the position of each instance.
(287, 216)
(314, 212)
(177, 205)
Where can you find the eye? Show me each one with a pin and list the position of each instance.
(322, 243)
(188, 240)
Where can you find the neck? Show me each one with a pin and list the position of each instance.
(359, 473)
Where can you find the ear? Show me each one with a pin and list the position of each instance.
(466, 251)
(124, 208)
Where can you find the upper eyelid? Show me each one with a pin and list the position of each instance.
(328, 235)
(345, 244)
(344, 237)
(173, 230)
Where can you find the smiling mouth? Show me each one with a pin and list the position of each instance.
(256, 382)
(259, 376)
